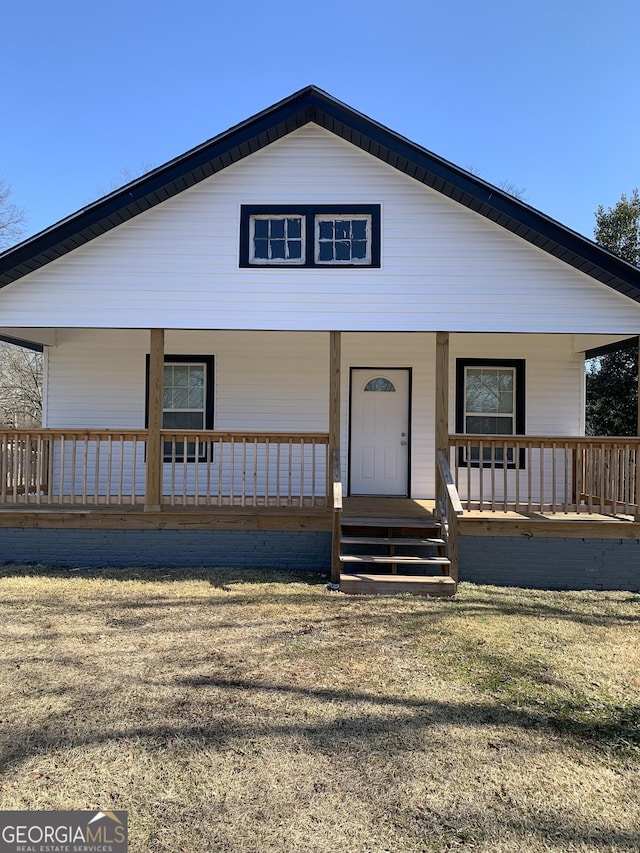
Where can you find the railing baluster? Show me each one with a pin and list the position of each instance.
(553, 477)
(233, 472)
(185, 469)
(134, 462)
(505, 472)
(481, 474)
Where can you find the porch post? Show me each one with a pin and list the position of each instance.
(153, 494)
(334, 493)
(442, 393)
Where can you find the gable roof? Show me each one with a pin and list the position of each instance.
(313, 105)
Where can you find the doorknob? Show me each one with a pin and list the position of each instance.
(403, 443)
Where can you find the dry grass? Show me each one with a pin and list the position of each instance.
(238, 712)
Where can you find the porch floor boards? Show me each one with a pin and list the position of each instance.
(290, 516)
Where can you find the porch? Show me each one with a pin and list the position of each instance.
(562, 488)
(260, 481)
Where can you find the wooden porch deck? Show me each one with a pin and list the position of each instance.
(289, 515)
(499, 522)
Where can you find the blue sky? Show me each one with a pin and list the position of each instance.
(543, 95)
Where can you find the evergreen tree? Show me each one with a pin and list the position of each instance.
(612, 379)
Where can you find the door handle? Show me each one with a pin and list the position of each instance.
(403, 443)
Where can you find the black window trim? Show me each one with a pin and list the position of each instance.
(181, 358)
(519, 365)
(309, 212)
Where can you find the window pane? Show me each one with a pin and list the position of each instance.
(505, 402)
(277, 249)
(343, 250)
(196, 398)
(261, 228)
(489, 425)
(183, 420)
(343, 229)
(489, 390)
(180, 398)
(261, 249)
(277, 227)
(295, 249)
(359, 229)
(181, 375)
(358, 249)
(379, 384)
(326, 230)
(325, 252)
(294, 227)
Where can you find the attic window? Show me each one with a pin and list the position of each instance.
(276, 239)
(341, 240)
(310, 236)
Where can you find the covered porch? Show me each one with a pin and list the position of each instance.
(299, 480)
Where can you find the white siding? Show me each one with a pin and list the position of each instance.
(554, 405)
(263, 381)
(553, 377)
(279, 381)
(443, 266)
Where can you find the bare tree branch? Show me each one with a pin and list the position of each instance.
(20, 387)
(12, 218)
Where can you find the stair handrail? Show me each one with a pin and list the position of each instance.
(449, 507)
(337, 481)
(336, 525)
(450, 490)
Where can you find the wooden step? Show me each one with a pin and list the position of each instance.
(396, 559)
(363, 584)
(389, 540)
(391, 522)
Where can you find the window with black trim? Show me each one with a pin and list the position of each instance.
(310, 236)
(490, 400)
(187, 403)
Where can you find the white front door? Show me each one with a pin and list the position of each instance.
(379, 463)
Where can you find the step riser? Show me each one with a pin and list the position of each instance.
(393, 585)
(383, 540)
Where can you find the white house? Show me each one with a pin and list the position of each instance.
(310, 331)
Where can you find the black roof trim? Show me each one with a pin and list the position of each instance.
(313, 105)
(20, 342)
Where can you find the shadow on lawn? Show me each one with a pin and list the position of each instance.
(365, 718)
(471, 599)
(216, 576)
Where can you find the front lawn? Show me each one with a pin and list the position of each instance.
(237, 711)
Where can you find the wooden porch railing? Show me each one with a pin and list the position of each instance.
(100, 467)
(547, 474)
(245, 469)
(107, 468)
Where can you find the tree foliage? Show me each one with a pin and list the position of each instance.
(612, 392)
(618, 228)
(612, 379)
(20, 387)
